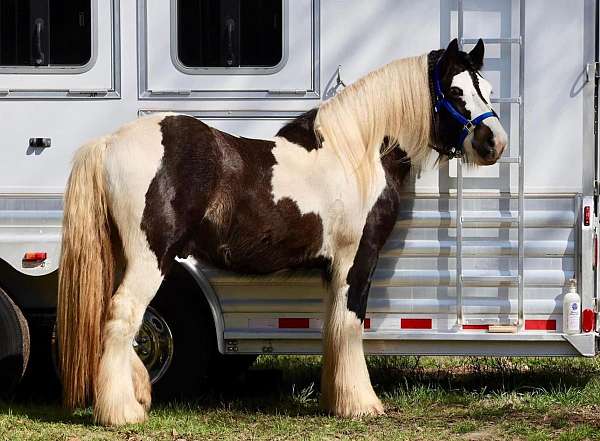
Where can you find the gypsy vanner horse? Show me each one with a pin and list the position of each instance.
(322, 193)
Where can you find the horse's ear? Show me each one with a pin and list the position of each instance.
(477, 54)
(452, 49)
(449, 57)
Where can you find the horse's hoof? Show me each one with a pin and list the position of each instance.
(132, 414)
(357, 410)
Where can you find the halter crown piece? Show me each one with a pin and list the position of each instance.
(469, 125)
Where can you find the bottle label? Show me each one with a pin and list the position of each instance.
(573, 319)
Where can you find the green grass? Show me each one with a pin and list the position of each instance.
(426, 399)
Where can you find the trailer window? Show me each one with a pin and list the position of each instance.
(229, 33)
(45, 33)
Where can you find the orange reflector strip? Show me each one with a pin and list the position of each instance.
(540, 325)
(476, 327)
(37, 256)
(294, 323)
(409, 323)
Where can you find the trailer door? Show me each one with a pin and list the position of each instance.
(228, 49)
(57, 49)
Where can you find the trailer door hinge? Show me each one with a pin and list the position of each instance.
(87, 92)
(287, 92)
(592, 70)
(167, 92)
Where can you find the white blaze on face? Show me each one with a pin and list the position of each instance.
(477, 106)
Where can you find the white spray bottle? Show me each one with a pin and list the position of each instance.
(572, 310)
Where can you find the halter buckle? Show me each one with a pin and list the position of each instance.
(469, 127)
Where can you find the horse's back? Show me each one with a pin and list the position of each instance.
(193, 189)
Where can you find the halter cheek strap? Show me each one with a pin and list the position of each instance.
(469, 125)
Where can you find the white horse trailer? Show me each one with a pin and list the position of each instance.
(474, 251)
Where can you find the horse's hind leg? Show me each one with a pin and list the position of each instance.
(123, 389)
(141, 381)
(345, 383)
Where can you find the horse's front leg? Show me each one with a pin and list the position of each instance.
(345, 384)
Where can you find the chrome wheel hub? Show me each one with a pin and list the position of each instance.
(154, 344)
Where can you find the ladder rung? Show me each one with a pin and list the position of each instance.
(490, 220)
(486, 280)
(509, 159)
(512, 100)
(517, 40)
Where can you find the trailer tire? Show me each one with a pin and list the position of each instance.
(14, 344)
(196, 362)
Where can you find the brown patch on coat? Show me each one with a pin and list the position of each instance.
(379, 225)
(212, 198)
(301, 131)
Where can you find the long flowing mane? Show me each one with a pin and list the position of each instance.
(393, 101)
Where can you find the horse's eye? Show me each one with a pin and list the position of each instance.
(455, 91)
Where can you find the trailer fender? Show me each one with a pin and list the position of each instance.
(192, 266)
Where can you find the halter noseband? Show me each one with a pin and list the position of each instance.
(469, 125)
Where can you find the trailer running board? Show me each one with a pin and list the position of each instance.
(421, 343)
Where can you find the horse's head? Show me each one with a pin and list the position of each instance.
(465, 122)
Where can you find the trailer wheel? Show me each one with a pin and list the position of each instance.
(177, 342)
(196, 360)
(154, 344)
(14, 344)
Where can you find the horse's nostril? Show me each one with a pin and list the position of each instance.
(491, 143)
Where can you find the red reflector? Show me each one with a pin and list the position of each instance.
(408, 323)
(35, 257)
(588, 319)
(586, 215)
(476, 327)
(293, 323)
(367, 323)
(540, 325)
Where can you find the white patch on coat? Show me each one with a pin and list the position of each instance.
(133, 157)
(318, 183)
(477, 106)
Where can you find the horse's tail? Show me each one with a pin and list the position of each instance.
(85, 281)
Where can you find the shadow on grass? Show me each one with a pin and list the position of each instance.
(482, 375)
(44, 412)
(289, 386)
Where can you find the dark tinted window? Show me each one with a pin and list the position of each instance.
(45, 32)
(229, 33)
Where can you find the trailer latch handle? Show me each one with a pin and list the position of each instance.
(40, 143)
(40, 57)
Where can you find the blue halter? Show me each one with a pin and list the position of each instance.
(469, 125)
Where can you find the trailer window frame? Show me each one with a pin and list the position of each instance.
(65, 69)
(234, 70)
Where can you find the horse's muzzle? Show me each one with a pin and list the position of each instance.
(488, 149)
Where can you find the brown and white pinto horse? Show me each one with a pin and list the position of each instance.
(322, 193)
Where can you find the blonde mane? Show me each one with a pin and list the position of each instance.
(394, 102)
